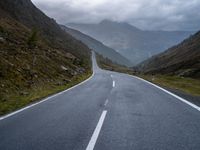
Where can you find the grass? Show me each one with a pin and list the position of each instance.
(31, 69)
(187, 85)
(17, 101)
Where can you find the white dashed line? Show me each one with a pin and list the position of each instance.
(106, 102)
(96, 131)
(113, 84)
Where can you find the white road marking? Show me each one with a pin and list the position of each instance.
(96, 131)
(106, 102)
(27, 107)
(170, 93)
(113, 84)
(111, 75)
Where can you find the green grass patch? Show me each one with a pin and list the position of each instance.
(188, 85)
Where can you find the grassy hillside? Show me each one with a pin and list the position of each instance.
(27, 14)
(32, 65)
(182, 60)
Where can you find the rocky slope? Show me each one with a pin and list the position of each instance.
(37, 57)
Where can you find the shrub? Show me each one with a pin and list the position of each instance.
(32, 39)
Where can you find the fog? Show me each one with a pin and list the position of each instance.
(145, 14)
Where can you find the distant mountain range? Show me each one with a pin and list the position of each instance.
(98, 47)
(182, 59)
(133, 43)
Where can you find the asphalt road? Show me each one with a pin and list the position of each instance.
(110, 111)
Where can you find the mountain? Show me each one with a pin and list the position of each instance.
(26, 13)
(133, 43)
(98, 47)
(37, 57)
(182, 59)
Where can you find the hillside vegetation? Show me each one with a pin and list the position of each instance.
(181, 60)
(177, 68)
(37, 57)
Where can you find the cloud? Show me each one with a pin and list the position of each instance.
(145, 14)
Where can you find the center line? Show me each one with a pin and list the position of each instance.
(96, 131)
(106, 102)
(113, 83)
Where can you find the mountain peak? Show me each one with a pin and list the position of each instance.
(106, 21)
(126, 25)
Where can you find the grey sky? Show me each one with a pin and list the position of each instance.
(145, 14)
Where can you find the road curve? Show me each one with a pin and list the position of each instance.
(111, 111)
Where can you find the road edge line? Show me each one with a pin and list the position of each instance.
(45, 99)
(168, 92)
(113, 85)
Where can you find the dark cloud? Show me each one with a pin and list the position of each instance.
(145, 14)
